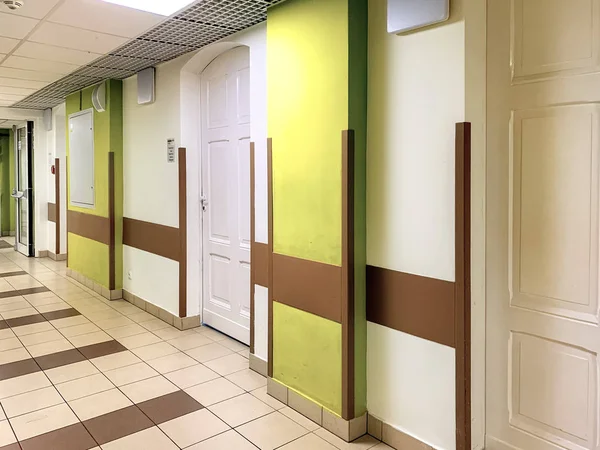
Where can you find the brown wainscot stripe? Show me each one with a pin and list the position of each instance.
(52, 212)
(151, 237)
(73, 437)
(57, 205)
(182, 232)
(308, 285)
(89, 226)
(423, 307)
(170, 406)
(260, 261)
(115, 425)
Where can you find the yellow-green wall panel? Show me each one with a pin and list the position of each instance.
(89, 258)
(307, 355)
(307, 66)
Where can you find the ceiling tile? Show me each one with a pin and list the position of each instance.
(104, 17)
(16, 90)
(6, 102)
(76, 38)
(35, 8)
(19, 62)
(7, 44)
(15, 82)
(11, 97)
(53, 53)
(33, 75)
(16, 27)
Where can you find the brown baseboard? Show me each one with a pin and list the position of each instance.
(258, 365)
(181, 323)
(115, 294)
(55, 257)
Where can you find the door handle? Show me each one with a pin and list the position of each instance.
(16, 194)
(204, 203)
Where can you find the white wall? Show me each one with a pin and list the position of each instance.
(56, 148)
(416, 95)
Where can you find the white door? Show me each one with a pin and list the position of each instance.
(543, 115)
(226, 190)
(23, 190)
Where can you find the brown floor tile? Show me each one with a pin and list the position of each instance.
(170, 406)
(25, 320)
(16, 369)
(3, 325)
(102, 349)
(59, 359)
(117, 424)
(14, 446)
(27, 291)
(74, 437)
(12, 274)
(61, 314)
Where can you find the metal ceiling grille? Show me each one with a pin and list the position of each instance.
(204, 22)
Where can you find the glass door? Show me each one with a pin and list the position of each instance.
(23, 192)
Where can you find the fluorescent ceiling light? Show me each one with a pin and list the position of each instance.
(162, 7)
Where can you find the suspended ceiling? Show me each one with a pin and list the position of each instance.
(52, 48)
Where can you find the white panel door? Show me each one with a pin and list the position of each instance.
(543, 139)
(226, 191)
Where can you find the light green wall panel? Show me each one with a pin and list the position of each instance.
(89, 258)
(307, 355)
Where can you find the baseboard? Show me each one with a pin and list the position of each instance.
(42, 254)
(348, 430)
(181, 323)
(115, 294)
(393, 437)
(258, 365)
(55, 257)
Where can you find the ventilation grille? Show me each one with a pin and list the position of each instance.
(204, 22)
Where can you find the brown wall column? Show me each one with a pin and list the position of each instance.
(182, 233)
(57, 203)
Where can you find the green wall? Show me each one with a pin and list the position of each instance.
(86, 256)
(7, 181)
(316, 67)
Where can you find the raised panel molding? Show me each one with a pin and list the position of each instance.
(553, 391)
(553, 37)
(554, 240)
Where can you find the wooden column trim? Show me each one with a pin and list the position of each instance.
(111, 219)
(182, 232)
(252, 248)
(347, 287)
(462, 303)
(57, 203)
(270, 243)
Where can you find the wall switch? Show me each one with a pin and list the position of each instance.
(130, 275)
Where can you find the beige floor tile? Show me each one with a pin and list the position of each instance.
(40, 338)
(26, 330)
(115, 361)
(49, 347)
(210, 333)
(154, 351)
(71, 372)
(17, 304)
(9, 300)
(173, 362)
(17, 354)
(192, 376)
(82, 387)
(43, 421)
(155, 324)
(25, 383)
(214, 391)
(193, 427)
(363, 443)
(230, 440)
(382, 446)
(261, 394)
(234, 345)
(7, 436)
(245, 353)
(209, 352)
(99, 404)
(299, 419)
(150, 439)
(126, 331)
(31, 401)
(190, 341)
(247, 379)
(19, 313)
(5, 285)
(115, 322)
(53, 307)
(43, 298)
(141, 317)
(139, 340)
(6, 333)
(129, 310)
(130, 374)
(79, 330)
(228, 364)
(310, 441)
(239, 410)
(172, 333)
(90, 339)
(69, 322)
(11, 344)
(99, 316)
(147, 389)
(272, 431)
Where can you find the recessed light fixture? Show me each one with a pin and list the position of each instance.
(162, 7)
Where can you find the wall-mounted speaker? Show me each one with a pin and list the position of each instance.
(145, 85)
(99, 97)
(408, 15)
(48, 119)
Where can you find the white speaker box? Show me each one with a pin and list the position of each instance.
(145, 84)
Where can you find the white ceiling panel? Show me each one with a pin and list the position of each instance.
(11, 97)
(19, 62)
(33, 75)
(76, 38)
(15, 82)
(16, 27)
(16, 90)
(36, 8)
(104, 17)
(53, 53)
(6, 102)
(7, 44)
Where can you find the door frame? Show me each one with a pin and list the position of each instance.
(29, 248)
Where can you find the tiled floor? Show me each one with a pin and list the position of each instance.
(79, 372)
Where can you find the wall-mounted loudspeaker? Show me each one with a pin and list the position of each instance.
(145, 84)
(48, 119)
(99, 97)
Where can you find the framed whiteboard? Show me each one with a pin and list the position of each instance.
(407, 15)
(81, 159)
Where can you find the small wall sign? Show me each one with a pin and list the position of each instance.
(171, 150)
